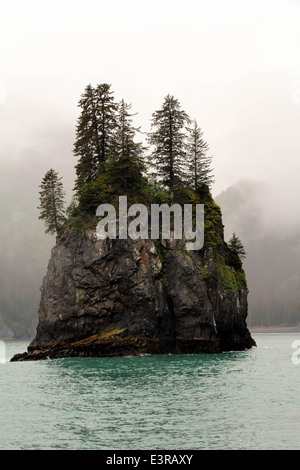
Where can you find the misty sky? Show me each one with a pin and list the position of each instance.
(234, 66)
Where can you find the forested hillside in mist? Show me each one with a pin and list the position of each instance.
(24, 255)
(266, 223)
(23, 261)
(21, 277)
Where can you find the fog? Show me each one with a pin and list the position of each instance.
(234, 66)
(271, 240)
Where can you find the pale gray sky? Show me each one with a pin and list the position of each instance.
(234, 66)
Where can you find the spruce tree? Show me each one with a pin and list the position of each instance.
(125, 132)
(198, 162)
(52, 202)
(106, 117)
(94, 132)
(125, 172)
(168, 138)
(86, 146)
(236, 246)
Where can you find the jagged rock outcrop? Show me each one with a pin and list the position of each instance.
(129, 297)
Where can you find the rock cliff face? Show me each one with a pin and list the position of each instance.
(131, 297)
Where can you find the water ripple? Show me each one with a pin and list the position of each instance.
(237, 400)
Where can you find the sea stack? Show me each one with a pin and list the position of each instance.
(132, 297)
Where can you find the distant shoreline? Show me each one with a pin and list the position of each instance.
(275, 329)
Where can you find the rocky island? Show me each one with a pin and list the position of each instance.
(131, 297)
(116, 297)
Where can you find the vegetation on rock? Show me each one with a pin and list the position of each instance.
(174, 168)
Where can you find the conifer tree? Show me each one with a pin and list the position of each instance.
(106, 116)
(86, 146)
(236, 246)
(94, 132)
(198, 162)
(52, 202)
(125, 132)
(125, 172)
(168, 137)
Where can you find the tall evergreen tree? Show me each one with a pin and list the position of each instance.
(94, 132)
(127, 165)
(86, 146)
(199, 163)
(126, 132)
(168, 137)
(107, 109)
(52, 201)
(236, 246)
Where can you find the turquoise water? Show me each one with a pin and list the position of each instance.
(236, 400)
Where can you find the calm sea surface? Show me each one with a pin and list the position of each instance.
(236, 400)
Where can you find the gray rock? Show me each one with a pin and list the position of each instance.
(128, 297)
